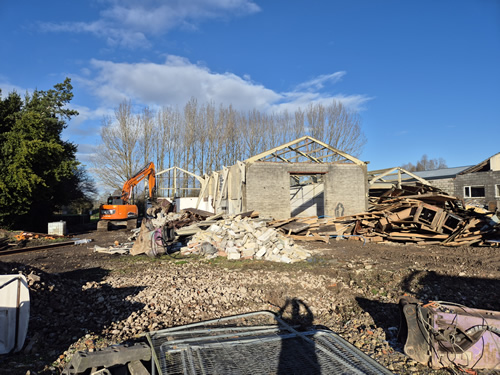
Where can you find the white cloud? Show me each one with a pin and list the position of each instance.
(129, 22)
(174, 83)
(319, 82)
(177, 80)
(6, 88)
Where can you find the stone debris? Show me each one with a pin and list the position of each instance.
(122, 249)
(91, 308)
(242, 236)
(107, 357)
(246, 238)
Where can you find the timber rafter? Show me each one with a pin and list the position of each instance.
(304, 149)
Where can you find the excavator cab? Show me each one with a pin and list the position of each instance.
(115, 199)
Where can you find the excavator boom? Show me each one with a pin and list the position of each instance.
(147, 171)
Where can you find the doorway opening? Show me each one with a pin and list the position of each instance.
(307, 196)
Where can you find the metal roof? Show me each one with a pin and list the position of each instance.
(441, 173)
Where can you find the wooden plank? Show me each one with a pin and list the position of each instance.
(375, 239)
(295, 227)
(329, 228)
(325, 239)
(279, 223)
(304, 238)
(417, 235)
(401, 215)
(468, 238)
(468, 243)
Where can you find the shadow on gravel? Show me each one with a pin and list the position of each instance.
(65, 307)
(474, 292)
(302, 318)
(427, 286)
(385, 315)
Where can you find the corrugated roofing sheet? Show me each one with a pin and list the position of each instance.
(441, 173)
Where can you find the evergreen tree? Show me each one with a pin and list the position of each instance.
(38, 170)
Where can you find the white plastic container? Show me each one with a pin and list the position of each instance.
(58, 227)
(14, 312)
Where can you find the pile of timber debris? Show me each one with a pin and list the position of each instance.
(421, 215)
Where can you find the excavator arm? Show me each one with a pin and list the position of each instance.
(149, 172)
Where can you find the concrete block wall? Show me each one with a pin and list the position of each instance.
(267, 187)
(445, 184)
(346, 190)
(486, 179)
(267, 190)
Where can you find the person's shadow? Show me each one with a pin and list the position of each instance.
(298, 354)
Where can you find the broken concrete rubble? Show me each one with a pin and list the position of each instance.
(241, 236)
(246, 238)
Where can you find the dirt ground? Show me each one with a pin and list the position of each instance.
(361, 284)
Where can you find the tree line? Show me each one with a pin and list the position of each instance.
(204, 137)
(425, 164)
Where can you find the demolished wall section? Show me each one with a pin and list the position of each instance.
(346, 190)
(268, 187)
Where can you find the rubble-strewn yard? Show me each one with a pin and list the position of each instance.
(82, 300)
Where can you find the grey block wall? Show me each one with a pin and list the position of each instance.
(346, 190)
(445, 184)
(267, 188)
(486, 179)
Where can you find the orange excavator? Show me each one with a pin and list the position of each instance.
(118, 208)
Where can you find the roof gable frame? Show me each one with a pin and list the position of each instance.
(296, 150)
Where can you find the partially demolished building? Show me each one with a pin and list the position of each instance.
(304, 177)
(480, 183)
(477, 185)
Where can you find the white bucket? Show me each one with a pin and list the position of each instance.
(58, 227)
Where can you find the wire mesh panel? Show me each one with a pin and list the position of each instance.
(232, 346)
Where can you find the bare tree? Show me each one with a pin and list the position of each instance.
(299, 127)
(118, 157)
(147, 128)
(343, 129)
(203, 138)
(425, 164)
(316, 120)
(251, 125)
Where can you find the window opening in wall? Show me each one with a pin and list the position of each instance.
(307, 194)
(497, 190)
(474, 192)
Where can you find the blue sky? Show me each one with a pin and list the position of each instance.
(423, 74)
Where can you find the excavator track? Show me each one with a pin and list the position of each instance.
(103, 226)
(131, 224)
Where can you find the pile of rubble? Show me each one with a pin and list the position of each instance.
(237, 238)
(421, 215)
(192, 231)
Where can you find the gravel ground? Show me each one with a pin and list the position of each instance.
(81, 300)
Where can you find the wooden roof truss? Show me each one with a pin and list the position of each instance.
(302, 150)
(392, 177)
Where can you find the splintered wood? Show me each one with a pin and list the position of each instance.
(423, 216)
